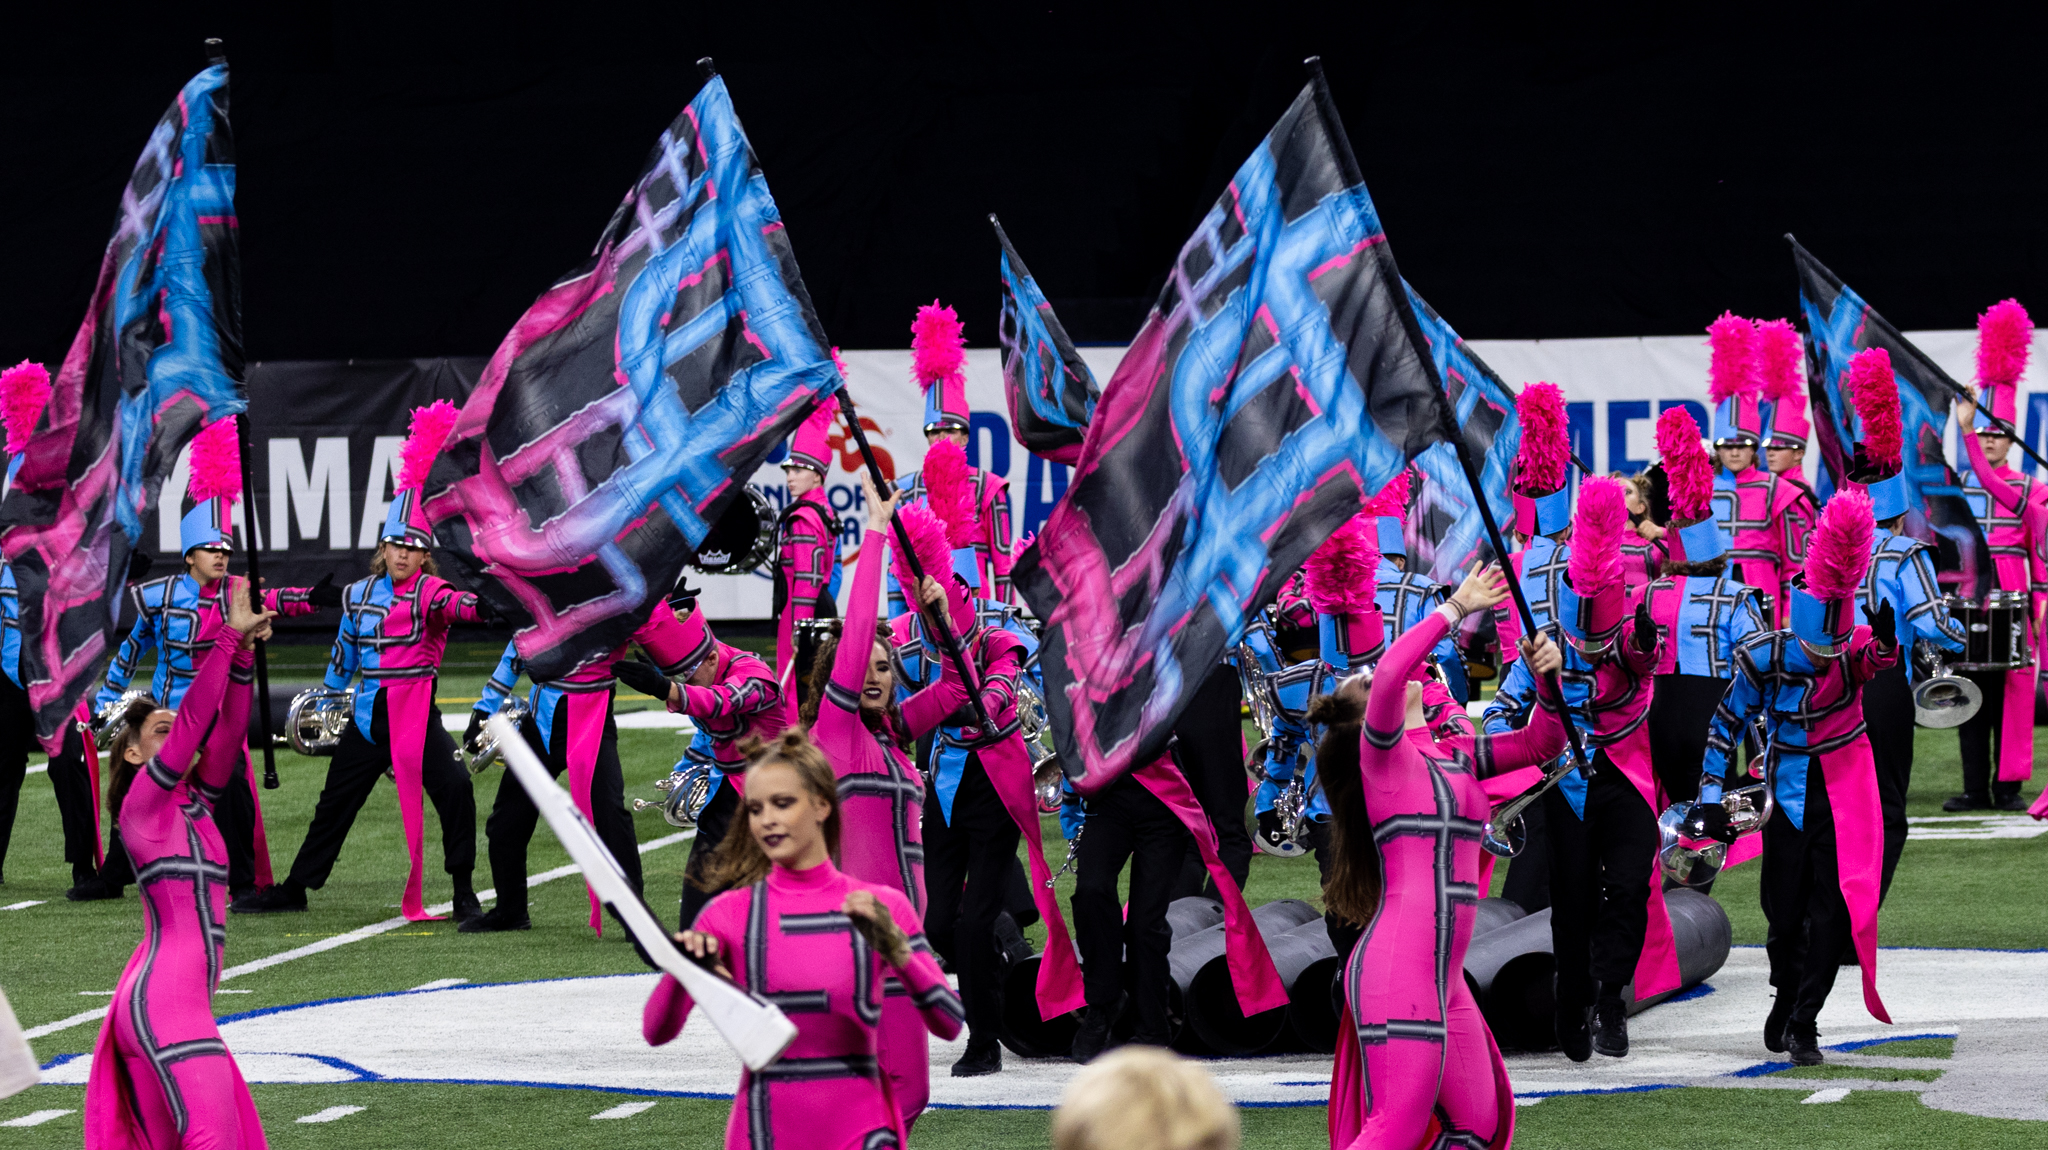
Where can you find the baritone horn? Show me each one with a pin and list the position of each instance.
(1684, 852)
(485, 754)
(317, 719)
(689, 792)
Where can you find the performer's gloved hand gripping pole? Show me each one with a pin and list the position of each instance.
(756, 1029)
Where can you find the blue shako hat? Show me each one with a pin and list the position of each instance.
(206, 525)
(1818, 622)
(1703, 541)
(405, 523)
(1553, 511)
(1890, 498)
(967, 565)
(1391, 535)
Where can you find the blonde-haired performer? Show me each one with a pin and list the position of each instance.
(1143, 1098)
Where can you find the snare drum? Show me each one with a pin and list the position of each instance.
(741, 540)
(1995, 633)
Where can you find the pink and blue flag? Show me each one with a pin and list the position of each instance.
(1052, 393)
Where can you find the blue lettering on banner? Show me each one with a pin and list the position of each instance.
(2037, 414)
(1619, 413)
(1579, 418)
(1038, 502)
(998, 430)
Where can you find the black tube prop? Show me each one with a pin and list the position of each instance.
(249, 540)
(935, 618)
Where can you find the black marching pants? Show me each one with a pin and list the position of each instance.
(235, 815)
(1210, 750)
(1527, 884)
(1888, 713)
(712, 823)
(1681, 710)
(68, 778)
(1802, 899)
(967, 864)
(353, 773)
(1126, 823)
(1980, 736)
(513, 816)
(1599, 883)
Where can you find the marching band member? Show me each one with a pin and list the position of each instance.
(1822, 849)
(1609, 928)
(1700, 612)
(178, 615)
(939, 364)
(1543, 513)
(394, 631)
(1745, 493)
(161, 1076)
(572, 731)
(807, 552)
(73, 773)
(980, 796)
(828, 1089)
(732, 696)
(1406, 598)
(1795, 508)
(1413, 1047)
(1901, 573)
(2013, 511)
(854, 718)
(1642, 557)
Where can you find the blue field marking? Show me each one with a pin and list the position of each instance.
(259, 1013)
(1864, 1043)
(1700, 991)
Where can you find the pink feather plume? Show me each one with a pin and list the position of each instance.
(216, 463)
(1732, 371)
(838, 363)
(1392, 499)
(2004, 336)
(1838, 553)
(1778, 355)
(1686, 466)
(1597, 530)
(423, 442)
(938, 349)
(24, 390)
(928, 538)
(821, 416)
(1546, 439)
(1874, 393)
(1343, 574)
(950, 486)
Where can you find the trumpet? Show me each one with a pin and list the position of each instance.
(1687, 854)
(1504, 834)
(485, 753)
(689, 792)
(105, 721)
(317, 719)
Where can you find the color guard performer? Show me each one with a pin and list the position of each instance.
(1542, 498)
(179, 616)
(831, 949)
(2013, 511)
(161, 1076)
(1822, 849)
(939, 364)
(806, 552)
(394, 631)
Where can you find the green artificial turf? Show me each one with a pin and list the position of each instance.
(1914, 1048)
(1948, 893)
(1871, 1073)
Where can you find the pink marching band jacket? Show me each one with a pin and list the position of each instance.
(806, 567)
(994, 550)
(2013, 511)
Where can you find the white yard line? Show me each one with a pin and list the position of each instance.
(1831, 1094)
(37, 1117)
(623, 1110)
(37, 769)
(24, 905)
(441, 984)
(331, 1113)
(357, 935)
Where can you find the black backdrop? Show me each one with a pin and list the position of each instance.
(410, 181)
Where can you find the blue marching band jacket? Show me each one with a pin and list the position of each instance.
(920, 663)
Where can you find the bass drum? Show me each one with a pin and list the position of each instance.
(741, 540)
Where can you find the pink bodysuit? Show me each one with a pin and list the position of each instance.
(1419, 1051)
(881, 798)
(786, 939)
(161, 1076)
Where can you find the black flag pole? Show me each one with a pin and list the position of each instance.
(253, 546)
(1352, 175)
(935, 617)
(1961, 392)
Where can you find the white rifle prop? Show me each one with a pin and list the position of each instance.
(757, 1030)
(18, 1068)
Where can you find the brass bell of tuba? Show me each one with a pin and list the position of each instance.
(1943, 699)
(484, 755)
(317, 719)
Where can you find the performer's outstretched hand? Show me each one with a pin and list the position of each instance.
(643, 676)
(930, 593)
(252, 624)
(1883, 625)
(1543, 656)
(1646, 628)
(880, 510)
(1966, 412)
(1481, 589)
(875, 924)
(703, 950)
(324, 593)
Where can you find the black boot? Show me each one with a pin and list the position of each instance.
(1574, 1036)
(466, 908)
(1774, 1024)
(92, 889)
(284, 896)
(1802, 1039)
(1967, 802)
(1093, 1037)
(984, 1056)
(496, 919)
(1610, 1026)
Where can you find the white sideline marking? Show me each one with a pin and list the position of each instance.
(649, 720)
(623, 1110)
(24, 905)
(37, 769)
(1975, 827)
(95, 993)
(1521, 1102)
(441, 984)
(357, 935)
(1831, 1094)
(36, 1117)
(331, 1113)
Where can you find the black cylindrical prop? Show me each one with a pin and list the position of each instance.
(1025, 1033)
(1209, 997)
(1307, 963)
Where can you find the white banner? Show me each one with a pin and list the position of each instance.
(1615, 388)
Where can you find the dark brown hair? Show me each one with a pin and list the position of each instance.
(738, 860)
(1706, 567)
(890, 721)
(1352, 892)
(128, 732)
(377, 561)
